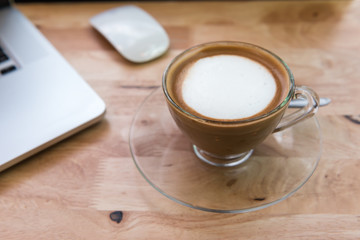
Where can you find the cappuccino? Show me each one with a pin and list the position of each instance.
(227, 87)
(227, 83)
(227, 97)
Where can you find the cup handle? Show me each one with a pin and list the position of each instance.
(307, 111)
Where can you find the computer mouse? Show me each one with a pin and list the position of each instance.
(134, 33)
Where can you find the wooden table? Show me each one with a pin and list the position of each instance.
(70, 190)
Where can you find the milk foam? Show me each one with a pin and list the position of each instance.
(228, 87)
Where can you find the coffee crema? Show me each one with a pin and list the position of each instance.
(228, 83)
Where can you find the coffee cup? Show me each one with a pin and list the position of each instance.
(228, 97)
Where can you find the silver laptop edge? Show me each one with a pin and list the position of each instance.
(43, 101)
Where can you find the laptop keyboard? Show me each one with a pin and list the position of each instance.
(3, 56)
(7, 64)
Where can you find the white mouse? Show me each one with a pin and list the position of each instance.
(133, 32)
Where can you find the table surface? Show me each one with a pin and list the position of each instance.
(71, 190)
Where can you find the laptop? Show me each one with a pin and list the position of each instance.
(42, 98)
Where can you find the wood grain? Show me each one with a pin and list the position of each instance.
(69, 190)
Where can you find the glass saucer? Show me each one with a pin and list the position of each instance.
(277, 168)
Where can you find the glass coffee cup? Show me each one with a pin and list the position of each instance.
(227, 142)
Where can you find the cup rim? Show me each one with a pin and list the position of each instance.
(274, 110)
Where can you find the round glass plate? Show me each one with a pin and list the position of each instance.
(277, 168)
